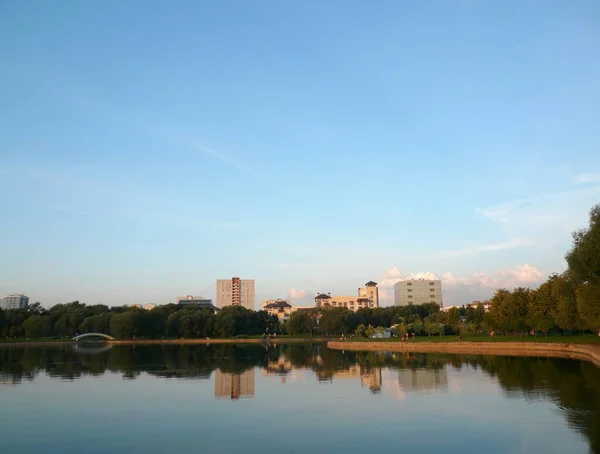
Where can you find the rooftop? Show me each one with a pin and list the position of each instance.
(278, 305)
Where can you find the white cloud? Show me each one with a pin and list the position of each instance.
(296, 294)
(587, 178)
(520, 275)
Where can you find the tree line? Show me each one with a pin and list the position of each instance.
(123, 322)
(569, 301)
(565, 302)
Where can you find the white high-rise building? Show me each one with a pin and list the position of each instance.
(235, 292)
(418, 291)
(17, 301)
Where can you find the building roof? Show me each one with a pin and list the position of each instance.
(322, 296)
(371, 283)
(278, 305)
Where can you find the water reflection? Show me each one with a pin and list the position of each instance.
(234, 386)
(573, 386)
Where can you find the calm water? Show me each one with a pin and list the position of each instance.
(292, 399)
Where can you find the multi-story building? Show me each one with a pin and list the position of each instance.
(418, 291)
(235, 292)
(196, 301)
(485, 304)
(16, 301)
(367, 297)
(149, 306)
(281, 308)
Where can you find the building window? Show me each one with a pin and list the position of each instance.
(410, 296)
(409, 290)
(409, 283)
(431, 283)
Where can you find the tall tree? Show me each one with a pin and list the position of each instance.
(588, 303)
(565, 312)
(541, 307)
(584, 256)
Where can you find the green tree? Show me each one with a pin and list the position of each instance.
(453, 317)
(584, 257)
(300, 322)
(588, 303)
(34, 326)
(360, 331)
(566, 313)
(369, 331)
(542, 305)
(509, 309)
(333, 320)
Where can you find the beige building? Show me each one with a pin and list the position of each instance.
(367, 297)
(235, 292)
(149, 306)
(280, 308)
(418, 291)
(234, 386)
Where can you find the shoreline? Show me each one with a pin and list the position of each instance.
(585, 352)
(168, 342)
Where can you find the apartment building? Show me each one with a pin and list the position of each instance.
(418, 291)
(16, 301)
(235, 292)
(367, 297)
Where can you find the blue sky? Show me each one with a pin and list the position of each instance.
(149, 148)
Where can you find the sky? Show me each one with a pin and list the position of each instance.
(148, 148)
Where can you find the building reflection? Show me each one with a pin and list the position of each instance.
(369, 376)
(9, 379)
(282, 366)
(234, 386)
(423, 379)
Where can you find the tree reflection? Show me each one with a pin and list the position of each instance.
(574, 386)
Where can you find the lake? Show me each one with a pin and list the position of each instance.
(291, 398)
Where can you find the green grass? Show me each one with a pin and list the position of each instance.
(585, 339)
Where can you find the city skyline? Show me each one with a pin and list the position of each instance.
(319, 146)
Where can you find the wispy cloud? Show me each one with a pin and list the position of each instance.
(587, 178)
(191, 221)
(76, 196)
(545, 220)
(66, 93)
(178, 138)
(296, 294)
(511, 244)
